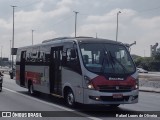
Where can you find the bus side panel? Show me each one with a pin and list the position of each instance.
(74, 80)
(39, 75)
(17, 74)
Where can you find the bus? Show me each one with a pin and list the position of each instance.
(82, 70)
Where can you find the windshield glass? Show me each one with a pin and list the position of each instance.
(107, 58)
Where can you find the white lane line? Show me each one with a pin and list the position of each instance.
(54, 105)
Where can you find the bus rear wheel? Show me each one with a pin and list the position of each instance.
(70, 99)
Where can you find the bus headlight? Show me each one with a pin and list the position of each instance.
(137, 84)
(87, 79)
(88, 82)
(90, 86)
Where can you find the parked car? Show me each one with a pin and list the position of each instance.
(141, 70)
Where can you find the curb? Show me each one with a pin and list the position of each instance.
(149, 89)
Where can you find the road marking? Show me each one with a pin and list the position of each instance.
(54, 105)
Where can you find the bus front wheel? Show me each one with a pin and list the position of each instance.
(70, 99)
(0, 87)
(114, 105)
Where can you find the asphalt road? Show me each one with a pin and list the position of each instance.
(15, 98)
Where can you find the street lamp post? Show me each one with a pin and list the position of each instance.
(1, 51)
(117, 25)
(10, 49)
(1, 55)
(32, 36)
(75, 21)
(13, 37)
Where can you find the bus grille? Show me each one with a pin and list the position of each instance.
(110, 98)
(106, 88)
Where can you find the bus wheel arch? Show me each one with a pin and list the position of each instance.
(69, 97)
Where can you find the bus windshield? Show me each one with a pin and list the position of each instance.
(107, 58)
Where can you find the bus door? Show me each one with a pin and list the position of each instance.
(22, 68)
(55, 70)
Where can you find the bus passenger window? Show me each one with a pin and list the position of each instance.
(71, 60)
(86, 59)
(47, 57)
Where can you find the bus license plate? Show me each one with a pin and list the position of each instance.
(117, 95)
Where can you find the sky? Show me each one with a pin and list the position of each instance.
(138, 21)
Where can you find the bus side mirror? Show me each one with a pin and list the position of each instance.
(73, 53)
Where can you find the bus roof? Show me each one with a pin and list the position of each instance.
(81, 39)
(78, 39)
(96, 40)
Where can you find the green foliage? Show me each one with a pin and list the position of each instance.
(157, 57)
(154, 65)
(148, 63)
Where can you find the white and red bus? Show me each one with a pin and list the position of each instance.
(81, 70)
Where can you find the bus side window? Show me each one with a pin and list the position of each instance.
(41, 56)
(71, 60)
(47, 57)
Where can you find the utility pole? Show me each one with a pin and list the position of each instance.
(117, 25)
(75, 21)
(32, 36)
(1, 51)
(10, 50)
(13, 37)
(1, 56)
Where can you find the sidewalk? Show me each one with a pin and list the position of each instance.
(149, 83)
(149, 89)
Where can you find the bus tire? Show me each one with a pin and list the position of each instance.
(69, 98)
(31, 89)
(0, 87)
(114, 105)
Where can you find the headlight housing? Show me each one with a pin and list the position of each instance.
(88, 82)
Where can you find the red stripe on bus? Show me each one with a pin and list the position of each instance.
(34, 76)
(17, 75)
(101, 80)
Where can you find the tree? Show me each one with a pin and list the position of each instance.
(157, 57)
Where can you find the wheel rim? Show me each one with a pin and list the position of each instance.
(70, 99)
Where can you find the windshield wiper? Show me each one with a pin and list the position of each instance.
(106, 59)
(103, 65)
(113, 58)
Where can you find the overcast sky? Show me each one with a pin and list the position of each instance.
(139, 21)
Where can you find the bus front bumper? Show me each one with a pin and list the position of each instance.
(97, 97)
